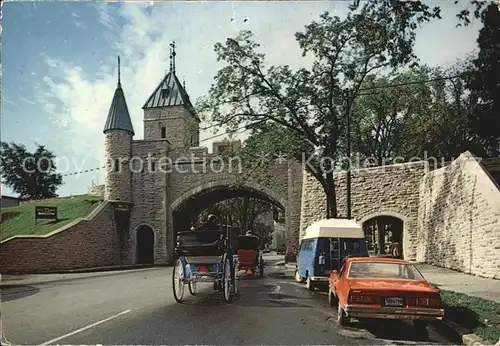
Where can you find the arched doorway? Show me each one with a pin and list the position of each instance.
(145, 245)
(384, 234)
(197, 204)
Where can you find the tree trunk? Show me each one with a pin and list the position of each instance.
(245, 213)
(331, 198)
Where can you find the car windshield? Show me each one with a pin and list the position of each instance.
(381, 270)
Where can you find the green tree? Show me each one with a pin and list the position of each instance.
(309, 105)
(240, 212)
(404, 8)
(435, 118)
(31, 175)
(382, 118)
(484, 82)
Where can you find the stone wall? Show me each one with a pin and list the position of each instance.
(118, 146)
(178, 122)
(149, 194)
(8, 202)
(391, 190)
(91, 242)
(459, 219)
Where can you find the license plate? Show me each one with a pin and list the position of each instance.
(393, 301)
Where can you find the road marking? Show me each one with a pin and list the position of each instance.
(277, 289)
(85, 328)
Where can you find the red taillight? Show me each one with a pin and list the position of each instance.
(424, 302)
(360, 299)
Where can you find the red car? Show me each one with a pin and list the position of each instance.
(386, 288)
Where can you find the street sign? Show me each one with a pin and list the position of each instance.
(45, 213)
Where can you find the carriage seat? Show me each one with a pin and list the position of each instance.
(201, 243)
(247, 257)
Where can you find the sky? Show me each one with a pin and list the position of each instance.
(59, 63)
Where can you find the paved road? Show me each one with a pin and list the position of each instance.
(138, 308)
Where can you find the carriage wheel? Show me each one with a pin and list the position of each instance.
(226, 280)
(178, 281)
(192, 287)
(236, 285)
(261, 268)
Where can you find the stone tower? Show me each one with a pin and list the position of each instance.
(118, 134)
(169, 114)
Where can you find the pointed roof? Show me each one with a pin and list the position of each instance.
(170, 92)
(118, 115)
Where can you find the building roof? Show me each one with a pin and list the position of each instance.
(9, 197)
(170, 92)
(118, 115)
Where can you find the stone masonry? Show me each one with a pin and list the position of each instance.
(91, 242)
(451, 216)
(379, 191)
(167, 169)
(459, 219)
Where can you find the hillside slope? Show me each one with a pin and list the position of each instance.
(21, 220)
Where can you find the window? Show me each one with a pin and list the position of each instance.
(353, 246)
(165, 92)
(116, 165)
(334, 244)
(163, 132)
(341, 271)
(307, 245)
(152, 166)
(223, 149)
(365, 270)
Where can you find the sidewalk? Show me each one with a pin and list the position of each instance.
(445, 279)
(471, 285)
(7, 281)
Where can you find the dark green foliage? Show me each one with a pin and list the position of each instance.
(242, 213)
(484, 83)
(31, 175)
(478, 315)
(404, 8)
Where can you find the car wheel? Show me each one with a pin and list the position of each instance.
(332, 300)
(309, 284)
(298, 278)
(342, 319)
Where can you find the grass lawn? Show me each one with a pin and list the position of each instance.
(21, 220)
(479, 315)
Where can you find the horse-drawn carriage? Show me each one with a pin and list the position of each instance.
(249, 254)
(204, 256)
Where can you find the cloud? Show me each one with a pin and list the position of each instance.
(5, 191)
(82, 101)
(9, 102)
(24, 99)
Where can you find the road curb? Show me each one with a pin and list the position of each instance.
(459, 334)
(40, 280)
(86, 270)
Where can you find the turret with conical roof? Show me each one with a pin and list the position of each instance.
(118, 132)
(169, 113)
